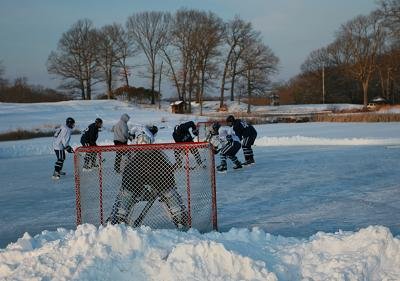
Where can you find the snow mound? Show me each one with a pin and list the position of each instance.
(123, 253)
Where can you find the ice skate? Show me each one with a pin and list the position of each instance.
(86, 169)
(56, 176)
(237, 165)
(249, 160)
(221, 168)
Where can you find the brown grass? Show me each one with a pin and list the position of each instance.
(21, 134)
(358, 117)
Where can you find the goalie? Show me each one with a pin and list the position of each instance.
(147, 176)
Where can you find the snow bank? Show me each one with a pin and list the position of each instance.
(123, 253)
(304, 141)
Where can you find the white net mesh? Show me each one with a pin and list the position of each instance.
(159, 185)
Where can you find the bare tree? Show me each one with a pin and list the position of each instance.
(258, 62)
(315, 65)
(74, 60)
(360, 41)
(208, 38)
(236, 33)
(113, 49)
(171, 57)
(126, 49)
(149, 30)
(183, 39)
(195, 38)
(391, 12)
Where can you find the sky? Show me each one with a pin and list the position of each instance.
(30, 30)
(321, 203)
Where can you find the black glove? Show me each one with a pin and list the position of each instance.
(195, 132)
(229, 138)
(69, 149)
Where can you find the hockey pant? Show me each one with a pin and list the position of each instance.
(247, 142)
(118, 157)
(229, 150)
(178, 153)
(60, 154)
(89, 159)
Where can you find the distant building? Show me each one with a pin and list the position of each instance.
(274, 98)
(178, 107)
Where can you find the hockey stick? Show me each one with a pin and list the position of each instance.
(144, 212)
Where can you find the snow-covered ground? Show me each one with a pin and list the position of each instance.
(321, 203)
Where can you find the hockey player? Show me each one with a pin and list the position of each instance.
(182, 134)
(121, 137)
(225, 141)
(61, 140)
(213, 137)
(247, 134)
(147, 176)
(89, 138)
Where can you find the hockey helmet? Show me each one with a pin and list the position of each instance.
(98, 122)
(195, 132)
(153, 129)
(70, 122)
(216, 127)
(230, 119)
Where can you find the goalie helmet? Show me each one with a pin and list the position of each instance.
(142, 138)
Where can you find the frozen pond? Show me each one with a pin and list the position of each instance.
(291, 191)
(297, 191)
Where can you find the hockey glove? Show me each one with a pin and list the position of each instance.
(229, 138)
(195, 132)
(69, 149)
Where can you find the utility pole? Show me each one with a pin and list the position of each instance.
(323, 83)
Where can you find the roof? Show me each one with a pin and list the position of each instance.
(176, 102)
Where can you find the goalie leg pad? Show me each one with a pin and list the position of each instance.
(176, 208)
(122, 207)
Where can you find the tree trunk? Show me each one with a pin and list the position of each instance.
(89, 90)
(365, 91)
(233, 81)
(222, 91)
(109, 85)
(82, 86)
(248, 92)
(153, 79)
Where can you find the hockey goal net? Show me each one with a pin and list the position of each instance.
(169, 185)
